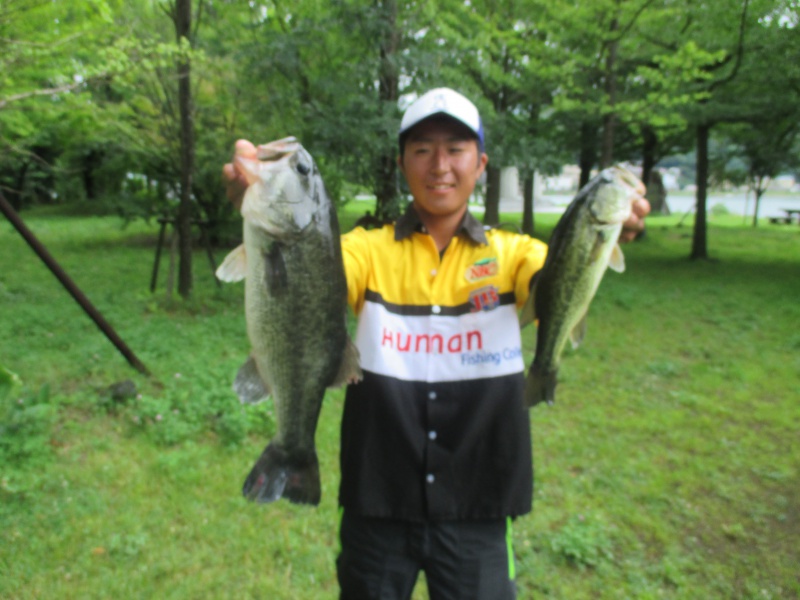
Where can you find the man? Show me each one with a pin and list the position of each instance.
(435, 445)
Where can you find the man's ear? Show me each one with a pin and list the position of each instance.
(400, 163)
(482, 161)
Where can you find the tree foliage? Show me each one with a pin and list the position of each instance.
(89, 93)
(49, 55)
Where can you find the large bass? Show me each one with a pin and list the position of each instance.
(295, 302)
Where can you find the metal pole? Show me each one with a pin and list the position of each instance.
(76, 293)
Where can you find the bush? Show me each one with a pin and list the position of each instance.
(720, 210)
(189, 407)
(583, 541)
(26, 423)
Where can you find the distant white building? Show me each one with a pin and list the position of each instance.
(512, 189)
(566, 181)
(670, 178)
(783, 183)
(510, 186)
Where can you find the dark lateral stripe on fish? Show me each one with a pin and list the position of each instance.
(416, 310)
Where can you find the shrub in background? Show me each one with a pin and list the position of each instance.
(583, 540)
(188, 407)
(26, 423)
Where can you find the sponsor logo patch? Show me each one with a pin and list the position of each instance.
(485, 298)
(482, 269)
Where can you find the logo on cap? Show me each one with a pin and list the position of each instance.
(439, 103)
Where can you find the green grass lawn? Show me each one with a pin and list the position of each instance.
(668, 468)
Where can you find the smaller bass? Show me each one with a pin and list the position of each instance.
(583, 245)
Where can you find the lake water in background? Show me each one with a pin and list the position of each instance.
(771, 205)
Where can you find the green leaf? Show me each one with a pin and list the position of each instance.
(8, 381)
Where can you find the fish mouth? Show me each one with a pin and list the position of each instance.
(628, 179)
(272, 158)
(275, 151)
(282, 178)
(269, 157)
(613, 204)
(285, 153)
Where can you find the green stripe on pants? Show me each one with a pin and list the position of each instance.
(512, 569)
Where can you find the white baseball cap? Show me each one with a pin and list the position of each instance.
(443, 101)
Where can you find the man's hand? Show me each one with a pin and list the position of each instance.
(640, 208)
(235, 182)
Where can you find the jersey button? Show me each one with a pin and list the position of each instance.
(430, 478)
(435, 309)
(432, 395)
(431, 435)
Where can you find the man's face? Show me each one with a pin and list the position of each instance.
(442, 163)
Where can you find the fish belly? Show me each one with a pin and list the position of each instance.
(296, 327)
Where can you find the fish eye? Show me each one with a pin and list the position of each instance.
(303, 168)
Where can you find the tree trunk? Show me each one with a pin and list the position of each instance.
(183, 22)
(649, 146)
(588, 152)
(91, 160)
(610, 118)
(387, 207)
(15, 196)
(759, 193)
(656, 192)
(491, 215)
(527, 204)
(40, 187)
(760, 188)
(699, 240)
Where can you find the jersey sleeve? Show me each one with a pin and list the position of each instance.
(530, 255)
(356, 257)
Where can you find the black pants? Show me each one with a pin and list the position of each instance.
(462, 560)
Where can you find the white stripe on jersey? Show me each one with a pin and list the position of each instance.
(436, 348)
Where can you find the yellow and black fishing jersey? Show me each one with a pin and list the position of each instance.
(438, 429)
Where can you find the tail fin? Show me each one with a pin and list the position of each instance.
(280, 474)
(540, 386)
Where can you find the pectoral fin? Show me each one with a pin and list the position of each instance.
(249, 385)
(275, 270)
(578, 333)
(617, 260)
(234, 267)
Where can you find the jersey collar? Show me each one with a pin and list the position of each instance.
(409, 222)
